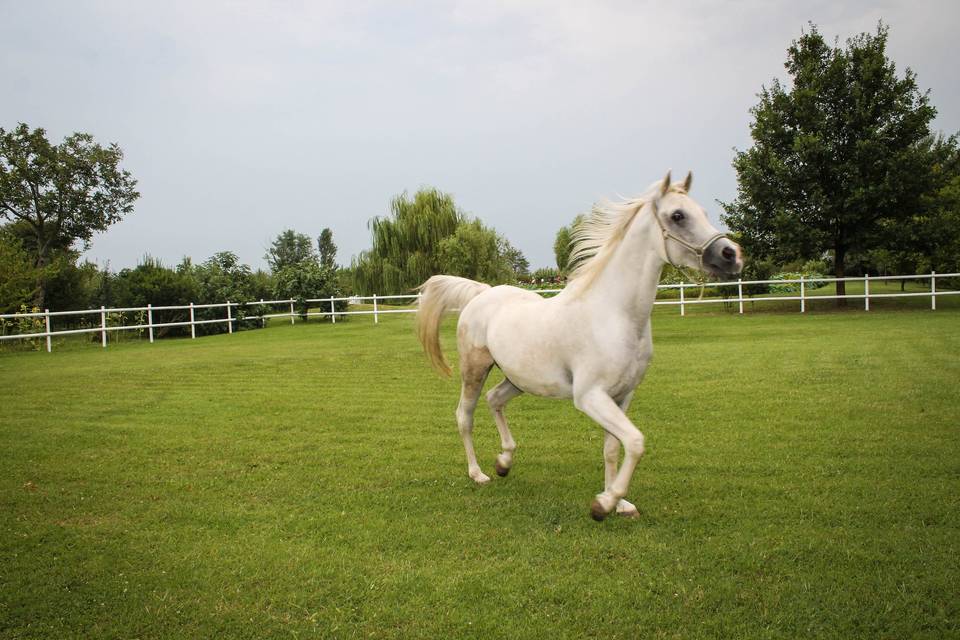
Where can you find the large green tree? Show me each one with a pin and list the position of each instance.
(929, 237)
(63, 193)
(477, 252)
(426, 235)
(288, 249)
(405, 243)
(838, 154)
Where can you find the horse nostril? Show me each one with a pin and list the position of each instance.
(728, 253)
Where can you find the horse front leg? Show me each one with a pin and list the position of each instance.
(611, 457)
(597, 404)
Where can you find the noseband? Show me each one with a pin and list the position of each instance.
(697, 250)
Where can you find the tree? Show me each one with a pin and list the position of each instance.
(288, 249)
(515, 258)
(306, 280)
(224, 277)
(18, 275)
(152, 283)
(475, 251)
(426, 235)
(836, 155)
(404, 251)
(327, 249)
(930, 237)
(561, 245)
(62, 193)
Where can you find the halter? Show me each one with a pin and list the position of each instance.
(698, 251)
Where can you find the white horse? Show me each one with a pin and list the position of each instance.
(592, 342)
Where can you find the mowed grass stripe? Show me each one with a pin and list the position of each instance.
(802, 480)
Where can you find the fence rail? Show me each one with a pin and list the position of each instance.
(229, 318)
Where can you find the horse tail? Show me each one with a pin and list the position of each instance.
(438, 295)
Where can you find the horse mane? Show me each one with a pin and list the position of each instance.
(597, 237)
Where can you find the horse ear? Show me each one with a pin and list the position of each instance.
(688, 181)
(665, 185)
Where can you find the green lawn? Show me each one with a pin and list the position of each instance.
(802, 480)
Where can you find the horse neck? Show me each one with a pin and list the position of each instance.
(628, 282)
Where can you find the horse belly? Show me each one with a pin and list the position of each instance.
(530, 353)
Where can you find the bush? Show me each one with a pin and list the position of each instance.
(546, 276)
(812, 281)
(306, 280)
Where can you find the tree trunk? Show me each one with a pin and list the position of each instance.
(40, 294)
(839, 255)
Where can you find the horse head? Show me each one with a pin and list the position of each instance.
(689, 239)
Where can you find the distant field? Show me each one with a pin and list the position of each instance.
(802, 480)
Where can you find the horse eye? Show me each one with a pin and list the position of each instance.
(677, 216)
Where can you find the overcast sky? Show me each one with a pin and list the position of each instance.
(241, 119)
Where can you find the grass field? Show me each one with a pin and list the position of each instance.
(802, 480)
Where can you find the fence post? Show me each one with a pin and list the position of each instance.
(740, 293)
(376, 320)
(291, 312)
(803, 295)
(933, 290)
(193, 327)
(103, 326)
(866, 292)
(333, 316)
(150, 321)
(46, 321)
(229, 319)
(263, 321)
(682, 289)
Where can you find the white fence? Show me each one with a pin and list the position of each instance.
(229, 318)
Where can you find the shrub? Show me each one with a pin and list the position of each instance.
(306, 280)
(812, 281)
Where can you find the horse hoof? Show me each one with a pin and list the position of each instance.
(597, 512)
(480, 478)
(627, 510)
(501, 470)
(630, 514)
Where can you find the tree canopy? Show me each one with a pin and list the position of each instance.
(63, 193)
(327, 249)
(475, 251)
(425, 235)
(837, 155)
(288, 249)
(562, 244)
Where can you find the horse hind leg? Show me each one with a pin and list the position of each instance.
(475, 365)
(497, 398)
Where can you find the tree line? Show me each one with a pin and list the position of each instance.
(844, 176)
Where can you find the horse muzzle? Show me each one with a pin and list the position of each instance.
(723, 257)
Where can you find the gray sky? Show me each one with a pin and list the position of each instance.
(241, 119)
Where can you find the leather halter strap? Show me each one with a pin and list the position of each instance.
(697, 250)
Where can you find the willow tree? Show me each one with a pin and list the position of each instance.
(837, 155)
(426, 235)
(406, 244)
